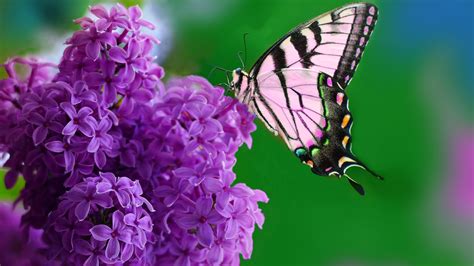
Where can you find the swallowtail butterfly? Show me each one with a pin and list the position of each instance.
(297, 88)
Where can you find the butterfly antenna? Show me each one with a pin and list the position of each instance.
(358, 187)
(245, 49)
(239, 54)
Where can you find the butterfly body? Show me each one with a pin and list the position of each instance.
(297, 88)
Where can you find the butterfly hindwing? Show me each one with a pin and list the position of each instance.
(330, 154)
(332, 43)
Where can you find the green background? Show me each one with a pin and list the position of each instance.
(412, 95)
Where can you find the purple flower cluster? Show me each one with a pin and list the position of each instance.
(100, 219)
(104, 137)
(201, 217)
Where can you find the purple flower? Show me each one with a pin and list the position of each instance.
(68, 150)
(109, 80)
(44, 123)
(204, 124)
(226, 192)
(80, 92)
(94, 251)
(120, 186)
(142, 223)
(86, 199)
(69, 229)
(197, 175)
(221, 246)
(170, 194)
(118, 232)
(136, 19)
(133, 95)
(137, 198)
(101, 136)
(32, 102)
(202, 218)
(74, 67)
(117, 17)
(237, 217)
(83, 166)
(93, 40)
(82, 120)
(186, 252)
(130, 57)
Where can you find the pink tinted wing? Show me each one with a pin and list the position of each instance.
(332, 43)
(289, 102)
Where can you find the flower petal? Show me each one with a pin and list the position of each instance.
(82, 210)
(203, 206)
(127, 252)
(188, 221)
(93, 50)
(184, 172)
(100, 159)
(231, 229)
(205, 234)
(70, 128)
(215, 255)
(212, 185)
(101, 232)
(195, 128)
(94, 145)
(113, 248)
(245, 220)
(69, 109)
(241, 191)
(118, 55)
(82, 247)
(99, 11)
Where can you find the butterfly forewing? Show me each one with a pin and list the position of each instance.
(332, 43)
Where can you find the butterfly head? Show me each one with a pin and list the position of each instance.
(240, 81)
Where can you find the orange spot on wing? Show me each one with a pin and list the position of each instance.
(345, 121)
(344, 160)
(344, 141)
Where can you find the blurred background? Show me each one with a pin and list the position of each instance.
(412, 100)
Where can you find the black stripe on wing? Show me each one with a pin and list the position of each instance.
(300, 43)
(279, 58)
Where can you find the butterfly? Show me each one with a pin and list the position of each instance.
(297, 88)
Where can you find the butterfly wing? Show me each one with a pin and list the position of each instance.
(332, 43)
(290, 103)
